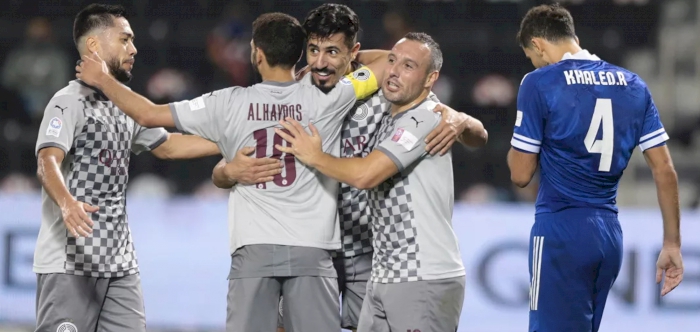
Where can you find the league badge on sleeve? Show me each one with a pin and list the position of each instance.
(345, 81)
(405, 139)
(196, 104)
(54, 128)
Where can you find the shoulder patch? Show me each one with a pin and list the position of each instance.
(55, 126)
(196, 104)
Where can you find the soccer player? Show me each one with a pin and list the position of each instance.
(418, 279)
(279, 244)
(580, 119)
(332, 51)
(87, 271)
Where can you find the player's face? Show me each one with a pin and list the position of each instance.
(406, 74)
(118, 50)
(537, 60)
(329, 59)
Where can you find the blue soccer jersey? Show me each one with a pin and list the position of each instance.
(584, 117)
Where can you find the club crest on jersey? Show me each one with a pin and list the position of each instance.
(67, 327)
(397, 135)
(361, 112)
(54, 128)
(361, 75)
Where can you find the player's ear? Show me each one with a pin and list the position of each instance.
(354, 50)
(537, 46)
(432, 77)
(577, 42)
(259, 56)
(92, 45)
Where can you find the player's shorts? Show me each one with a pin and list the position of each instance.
(575, 257)
(75, 303)
(426, 306)
(261, 274)
(353, 275)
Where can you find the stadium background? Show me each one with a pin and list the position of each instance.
(188, 47)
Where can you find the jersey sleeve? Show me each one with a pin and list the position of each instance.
(62, 118)
(530, 117)
(407, 144)
(653, 132)
(147, 139)
(204, 116)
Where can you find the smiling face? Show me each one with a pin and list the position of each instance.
(329, 59)
(408, 73)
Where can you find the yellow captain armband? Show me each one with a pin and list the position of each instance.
(363, 81)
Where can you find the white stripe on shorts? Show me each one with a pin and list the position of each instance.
(537, 246)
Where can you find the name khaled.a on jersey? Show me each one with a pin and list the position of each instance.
(594, 77)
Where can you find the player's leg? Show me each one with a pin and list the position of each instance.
(252, 304)
(565, 257)
(358, 270)
(426, 306)
(310, 304)
(123, 308)
(609, 268)
(67, 302)
(372, 315)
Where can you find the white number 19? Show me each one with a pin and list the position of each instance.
(602, 114)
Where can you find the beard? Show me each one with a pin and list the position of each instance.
(118, 72)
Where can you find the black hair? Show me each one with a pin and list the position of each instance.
(435, 52)
(550, 22)
(95, 16)
(329, 19)
(280, 37)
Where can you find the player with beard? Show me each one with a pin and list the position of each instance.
(333, 51)
(87, 271)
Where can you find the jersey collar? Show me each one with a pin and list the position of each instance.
(580, 55)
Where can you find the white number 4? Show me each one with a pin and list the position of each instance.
(602, 114)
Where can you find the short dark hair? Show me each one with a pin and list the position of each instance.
(550, 22)
(435, 52)
(93, 17)
(331, 18)
(280, 37)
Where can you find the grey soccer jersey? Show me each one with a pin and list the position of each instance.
(97, 139)
(358, 127)
(412, 211)
(298, 208)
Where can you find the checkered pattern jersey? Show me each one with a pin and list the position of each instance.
(395, 248)
(358, 128)
(99, 174)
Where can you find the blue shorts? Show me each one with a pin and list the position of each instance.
(575, 257)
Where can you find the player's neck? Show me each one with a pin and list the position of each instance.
(397, 109)
(565, 47)
(276, 74)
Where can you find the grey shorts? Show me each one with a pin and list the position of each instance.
(75, 303)
(426, 306)
(261, 274)
(353, 274)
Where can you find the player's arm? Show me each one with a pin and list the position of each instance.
(93, 71)
(523, 155)
(455, 126)
(178, 146)
(661, 165)
(56, 134)
(395, 154)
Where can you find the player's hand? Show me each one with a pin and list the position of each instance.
(91, 69)
(304, 147)
(76, 219)
(446, 133)
(248, 170)
(670, 266)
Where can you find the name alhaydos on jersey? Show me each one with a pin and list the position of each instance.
(594, 77)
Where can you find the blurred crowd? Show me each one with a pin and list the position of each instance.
(187, 48)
